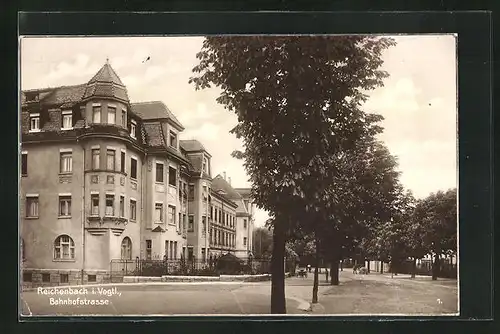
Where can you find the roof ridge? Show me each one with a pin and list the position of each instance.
(51, 88)
(148, 102)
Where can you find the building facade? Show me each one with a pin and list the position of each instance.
(106, 179)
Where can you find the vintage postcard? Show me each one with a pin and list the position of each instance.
(238, 175)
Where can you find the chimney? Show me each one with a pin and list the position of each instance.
(224, 174)
(229, 180)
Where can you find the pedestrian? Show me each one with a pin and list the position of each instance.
(309, 267)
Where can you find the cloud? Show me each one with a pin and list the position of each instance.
(200, 113)
(206, 132)
(401, 96)
(69, 72)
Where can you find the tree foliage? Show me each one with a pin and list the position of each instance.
(437, 216)
(297, 101)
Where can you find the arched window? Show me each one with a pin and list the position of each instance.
(126, 249)
(64, 248)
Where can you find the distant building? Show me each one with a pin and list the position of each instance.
(244, 214)
(106, 179)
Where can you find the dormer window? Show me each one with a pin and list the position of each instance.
(31, 97)
(34, 122)
(96, 114)
(173, 139)
(111, 115)
(133, 127)
(67, 120)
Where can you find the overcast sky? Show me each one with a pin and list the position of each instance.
(418, 100)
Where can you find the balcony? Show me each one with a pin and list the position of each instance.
(97, 225)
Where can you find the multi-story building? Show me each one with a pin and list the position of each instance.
(243, 224)
(104, 179)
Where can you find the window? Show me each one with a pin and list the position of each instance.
(96, 158)
(110, 208)
(32, 206)
(66, 162)
(205, 165)
(159, 172)
(211, 212)
(110, 159)
(94, 199)
(191, 223)
(133, 168)
(126, 253)
(184, 222)
(27, 277)
(244, 241)
(111, 115)
(191, 192)
(149, 246)
(175, 250)
(124, 117)
(244, 223)
(179, 222)
(64, 206)
(23, 250)
(96, 114)
(190, 253)
(64, 278)
(91, 278)
(159, 212)
(133, 210)
(173, 139)
(24, 164)
(133, 126)
(172, 176)
(171, 215)
(34, 122)
(64, 248)
(122, 162)
(122, 206)
(67, 120)
(45, 278)
(204, 224)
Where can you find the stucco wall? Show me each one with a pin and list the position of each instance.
(45, 180)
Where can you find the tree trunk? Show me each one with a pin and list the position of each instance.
(334, 273)
(334, 267)
(342, 265)
(278, 305)
(381, 267)
(326, 274)
(368, 267)
(414, 267)
(435, 267)
(316, 272)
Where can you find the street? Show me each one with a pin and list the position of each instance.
(356, 295)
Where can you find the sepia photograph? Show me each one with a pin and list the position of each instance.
(238, 175)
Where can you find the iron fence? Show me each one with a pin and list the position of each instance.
(194, 267)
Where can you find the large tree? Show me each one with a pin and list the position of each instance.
(297, 99)
(437, 214)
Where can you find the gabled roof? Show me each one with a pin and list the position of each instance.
(218, 183)
(192, 145)
(244, 192)
(155, 110)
